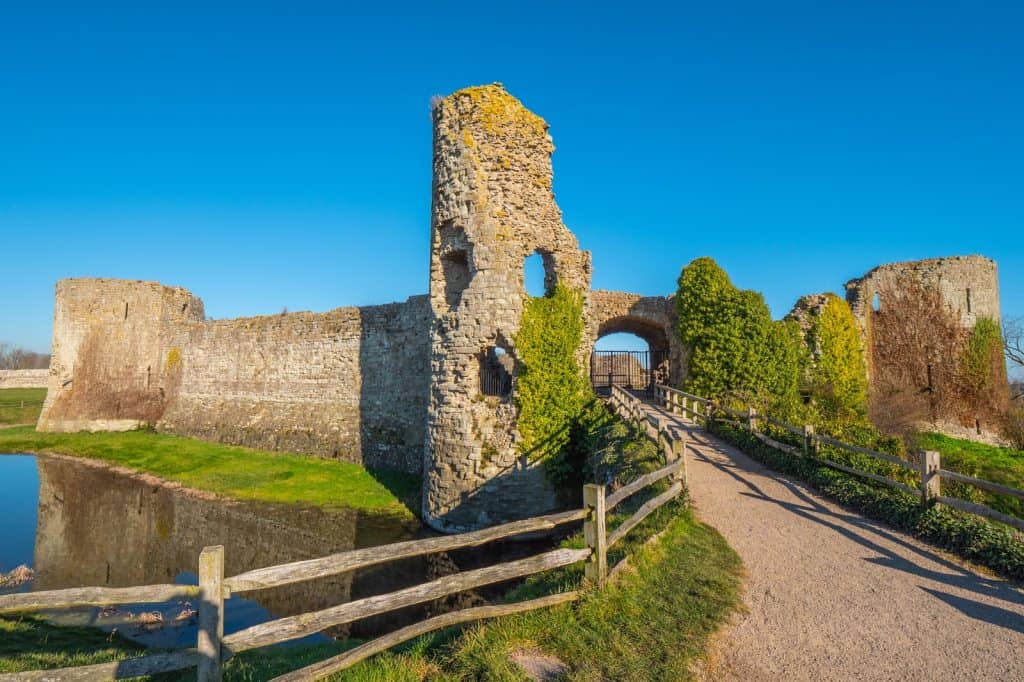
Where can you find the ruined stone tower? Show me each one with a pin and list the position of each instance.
(493, 207)
(915, 318)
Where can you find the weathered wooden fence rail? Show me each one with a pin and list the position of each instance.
(213, 648)
(928, 465)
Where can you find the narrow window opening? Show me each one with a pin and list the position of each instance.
(876, 302)
(538, 274)
(455, 265)
(931, 386)
(149, 376)
(977, 426)
(496, 365)
(126, 310)
(968, 299)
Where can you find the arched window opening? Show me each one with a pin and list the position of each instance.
(496, 366)
(456, 276)
(876, 302)
(538, 274)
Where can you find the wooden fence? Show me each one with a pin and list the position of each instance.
(928, 466)
(213, 648)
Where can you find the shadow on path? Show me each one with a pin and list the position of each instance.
(860, 530)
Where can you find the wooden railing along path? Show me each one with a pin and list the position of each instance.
(213, 648)
(928, 465)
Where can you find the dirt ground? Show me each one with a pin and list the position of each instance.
(831, 595)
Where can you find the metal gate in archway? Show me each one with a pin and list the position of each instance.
(637, 370)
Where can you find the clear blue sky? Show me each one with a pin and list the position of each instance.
(270, 156)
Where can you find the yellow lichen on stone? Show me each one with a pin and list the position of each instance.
(499, 111)
(173, 358)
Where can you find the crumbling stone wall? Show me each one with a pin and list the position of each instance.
(492, 207)
(350, 383)
(968, 284)
(24, 378)
(109, 368)
(915, 318)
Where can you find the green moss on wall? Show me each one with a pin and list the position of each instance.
(982, 355)
(551, 390)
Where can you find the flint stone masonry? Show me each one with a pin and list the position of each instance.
(350, 383)
(24, 378)
(969, 284)
(492, 207)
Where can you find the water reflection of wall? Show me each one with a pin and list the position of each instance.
(96, 527)
(100, 528)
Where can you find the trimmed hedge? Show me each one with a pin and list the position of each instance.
(993, 546)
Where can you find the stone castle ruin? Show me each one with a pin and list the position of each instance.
(424, 386)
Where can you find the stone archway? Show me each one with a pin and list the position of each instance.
(651, 318)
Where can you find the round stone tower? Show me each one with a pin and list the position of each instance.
(493, 207)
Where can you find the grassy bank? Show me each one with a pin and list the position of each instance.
(21, 405)
(652, 622)
(237, 472)
(999, 465)
(29, 643)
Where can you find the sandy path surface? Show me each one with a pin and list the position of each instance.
(831, 595)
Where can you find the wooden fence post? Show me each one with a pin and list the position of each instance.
(930, 465)
(596, 567)
(211, 613)
(810, 442)
(679, 453)
(752, 419)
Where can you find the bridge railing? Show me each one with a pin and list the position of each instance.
(212, 648)
(928, 467)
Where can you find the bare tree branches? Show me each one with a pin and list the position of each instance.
(12, 357)
(1013, 340)
(1013, 347)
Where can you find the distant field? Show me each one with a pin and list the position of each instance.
(999, 465)
(21, 405)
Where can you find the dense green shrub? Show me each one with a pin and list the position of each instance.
(992, 545)
(838, 375)
(551, 389)
(735, 347)
(982, 355)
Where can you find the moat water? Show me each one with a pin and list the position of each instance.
(78, 525)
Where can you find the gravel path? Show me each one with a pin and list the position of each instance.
(831, 595)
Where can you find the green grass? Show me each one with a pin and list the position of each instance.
(650, 624)
(232, 471)
(653, 622)
(999, 465)
(21, 405)
(29, 643)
